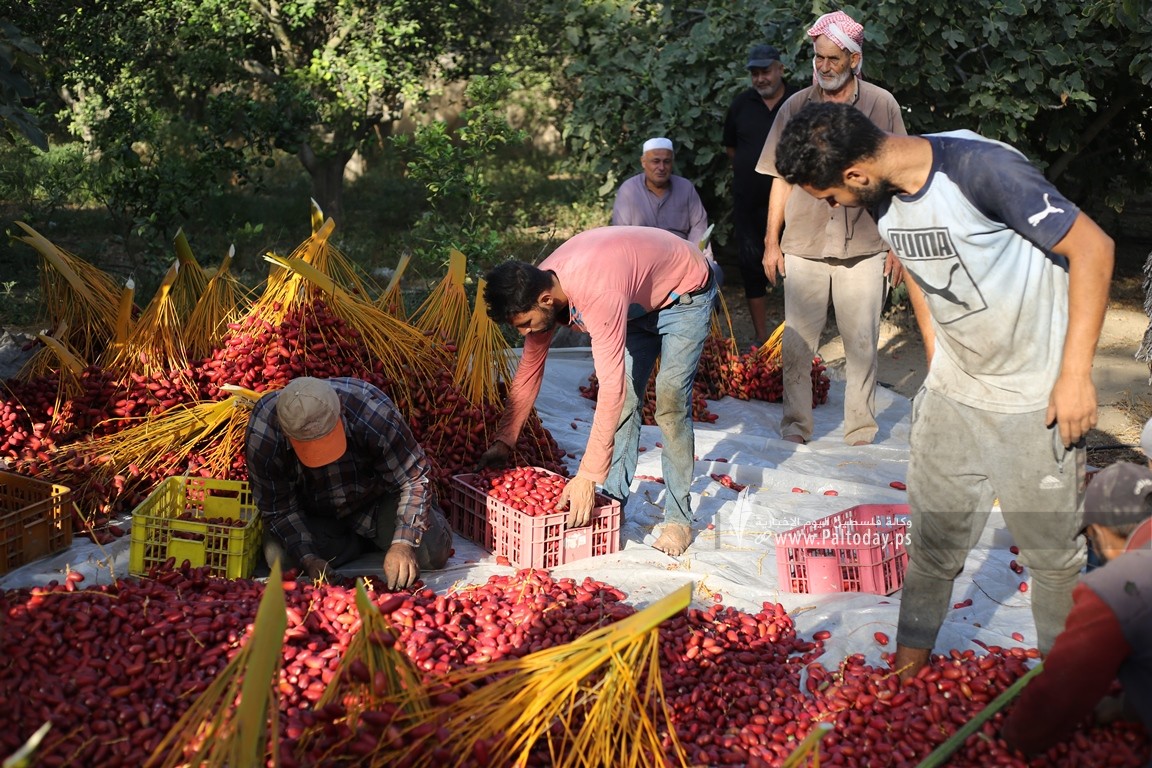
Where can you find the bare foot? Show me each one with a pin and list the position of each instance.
(674, 539)
(861, 442)
(795, 439)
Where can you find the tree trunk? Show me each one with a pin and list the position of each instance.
(327, 174)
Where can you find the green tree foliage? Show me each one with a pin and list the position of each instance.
(337, 74)
(1065, 81)
(19, 57)
(456, 168)
(186, 93)
(137, 87)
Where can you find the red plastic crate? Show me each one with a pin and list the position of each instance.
(527, 541)
(861, 549)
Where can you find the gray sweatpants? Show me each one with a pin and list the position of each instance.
(961, 460)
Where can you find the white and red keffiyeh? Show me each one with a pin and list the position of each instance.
(843, 30)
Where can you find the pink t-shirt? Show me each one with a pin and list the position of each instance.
(610, 275)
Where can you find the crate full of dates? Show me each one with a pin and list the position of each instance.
(512, 513)
(205, 521)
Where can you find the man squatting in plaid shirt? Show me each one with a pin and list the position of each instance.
(336, 473)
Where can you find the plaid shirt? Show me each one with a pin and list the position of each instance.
(382, 458)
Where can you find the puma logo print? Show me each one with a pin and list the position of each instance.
(945, 292)
(1036, 218)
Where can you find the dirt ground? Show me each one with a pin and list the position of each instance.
(1123, 392)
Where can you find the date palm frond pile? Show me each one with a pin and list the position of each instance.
(285, 288)
(722, 325)
(69, 371)
(375, 691)
(391, 300)
(212, 431)
(155, 344)
(374, 669)
(770, 351)
(482, 362)
(444, 314)
(397, 347)
(80, 301)
(191, 280)
(596, 701)
(223, 301)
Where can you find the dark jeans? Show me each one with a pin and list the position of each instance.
(334, 540)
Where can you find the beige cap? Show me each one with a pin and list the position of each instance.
(309, 414)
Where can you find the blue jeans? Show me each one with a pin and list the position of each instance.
(675, 335)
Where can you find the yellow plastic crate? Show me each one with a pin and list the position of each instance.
(199, 519)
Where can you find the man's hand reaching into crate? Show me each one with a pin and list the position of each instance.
(578, 497)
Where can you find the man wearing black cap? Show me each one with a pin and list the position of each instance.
(1108, 634)
(746, 126)
(336, 473)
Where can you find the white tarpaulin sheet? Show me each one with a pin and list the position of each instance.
(734, 551)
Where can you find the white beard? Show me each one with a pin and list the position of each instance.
(832, 82)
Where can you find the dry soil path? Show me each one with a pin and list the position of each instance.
(1122, 382)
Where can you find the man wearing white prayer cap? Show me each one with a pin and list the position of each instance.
(829, 253)
(658, 198)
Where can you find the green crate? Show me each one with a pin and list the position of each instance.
(35, 519)
(158, 532)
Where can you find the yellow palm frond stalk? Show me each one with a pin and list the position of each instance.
(482, 361)
(807, 752)
(376, 687)
(285, 288)
(770, 351)
(596, 701)
(721, 322)
(397, 346)
(444, 314)
(155, 345)
(392, 299)
(316, 214)
(124, 313)
(224, 301)
(71, 369)
(235, 722)
(191, 279)
(75, 294)
(150, 444)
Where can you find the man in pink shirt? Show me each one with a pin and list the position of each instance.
(642, 294)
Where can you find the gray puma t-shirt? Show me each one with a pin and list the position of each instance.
(977, 239)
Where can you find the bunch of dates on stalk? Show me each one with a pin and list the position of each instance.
(530, 490)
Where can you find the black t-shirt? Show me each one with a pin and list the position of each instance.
(746, 128)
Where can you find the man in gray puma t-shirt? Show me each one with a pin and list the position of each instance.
(1009, 282)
